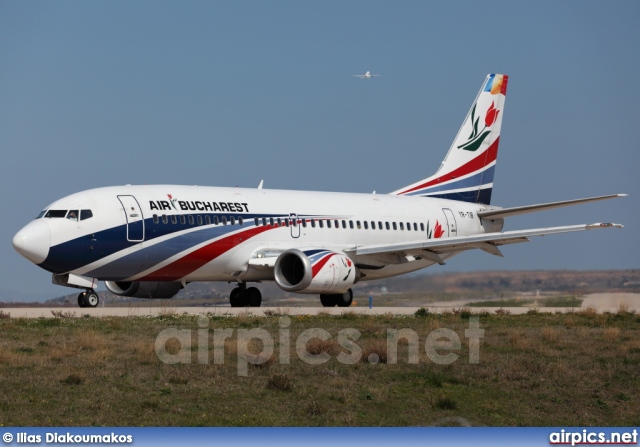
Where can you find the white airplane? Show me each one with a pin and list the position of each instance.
(366, 75)
(151, 241)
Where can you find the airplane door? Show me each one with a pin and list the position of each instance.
(135, 219)
(451, 221)
(294, 224)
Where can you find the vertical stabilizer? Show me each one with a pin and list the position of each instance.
(466, 173)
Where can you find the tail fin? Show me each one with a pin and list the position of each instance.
(466, 174)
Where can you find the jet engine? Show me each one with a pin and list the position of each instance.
(315, 271)
(144, 289)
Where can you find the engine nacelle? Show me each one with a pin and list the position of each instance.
(315, 271)
(144, 289)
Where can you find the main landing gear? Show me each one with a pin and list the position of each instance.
(242, 296)
(88, 298)
(337, 299)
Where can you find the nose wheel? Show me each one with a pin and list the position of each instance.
(88, 298)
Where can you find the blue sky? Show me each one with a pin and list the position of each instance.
(229, 93)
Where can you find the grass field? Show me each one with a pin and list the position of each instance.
(579, 369)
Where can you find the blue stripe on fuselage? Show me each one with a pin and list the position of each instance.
(477, 196)
(76, 253)
(478, 179)
(145, 258)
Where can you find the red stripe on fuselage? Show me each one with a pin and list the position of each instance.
(196, 259)
(477, 163)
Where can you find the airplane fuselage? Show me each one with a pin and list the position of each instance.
(192, 233)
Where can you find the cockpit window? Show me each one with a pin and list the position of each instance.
(86, 214)
(53, 214)
(73, 215)
(41, 214)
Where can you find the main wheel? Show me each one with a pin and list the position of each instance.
(81, 299)
(92, 299)
(89, 299)
(235, 298)
(345, 299)
(253, 297)
(328, 300)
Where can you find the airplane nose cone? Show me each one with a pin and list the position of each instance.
(33, 241)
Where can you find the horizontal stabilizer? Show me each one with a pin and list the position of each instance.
(507, 212)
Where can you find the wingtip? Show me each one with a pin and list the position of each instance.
(604, 225)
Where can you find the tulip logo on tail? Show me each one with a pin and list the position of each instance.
(476, 138)
(436, 233)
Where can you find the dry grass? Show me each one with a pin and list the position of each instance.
(578, 369)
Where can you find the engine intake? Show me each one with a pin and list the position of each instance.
(144, 289)
(315, 271)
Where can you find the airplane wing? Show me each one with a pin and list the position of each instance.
(432, 248)
(359, 76)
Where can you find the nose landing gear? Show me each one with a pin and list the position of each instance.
(88, 298)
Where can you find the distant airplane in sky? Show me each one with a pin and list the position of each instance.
(151, 241)
(366, 75)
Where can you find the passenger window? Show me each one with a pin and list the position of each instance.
(358, 224)
(386, 224)
(373, 225)
(256, 221)
(304, 223)
(183, 220)
(337, 224)
(380, 226)
(366, 225)
(313, 223)
(415, 226)
(271, 221)
(207, 219)
(240, 221)
(320, 224)
(155, 219)
(401, 226)
(351, 224)
(232, 220)
(421, 226)
(216, 221)
(328, 224)
(395, 227)
(190, 220)
(174, 219)
(224, 220)
(344, 224)
(199, 219)
(85, 214)
(165, 219)
(408, 226)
